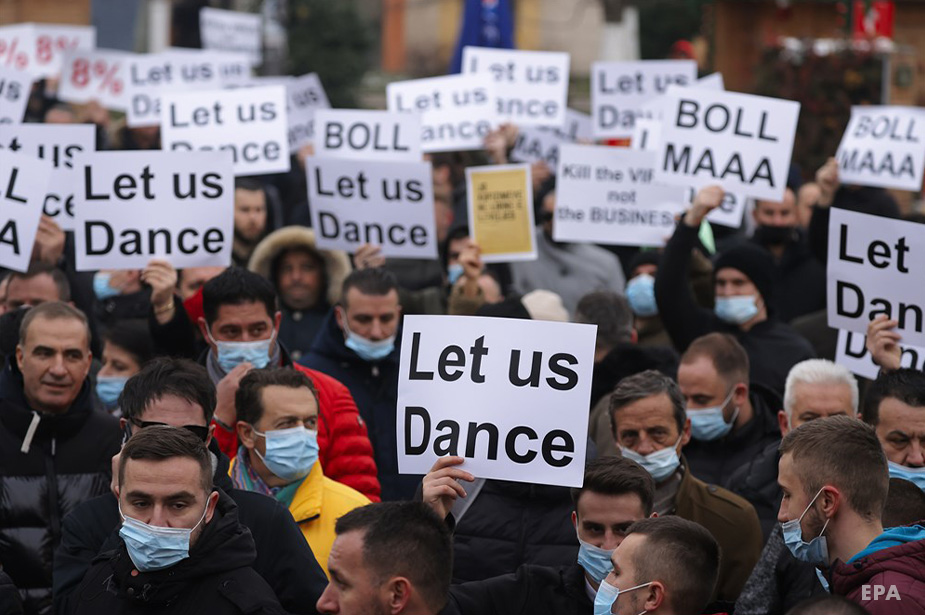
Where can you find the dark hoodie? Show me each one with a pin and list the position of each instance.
(216, 578)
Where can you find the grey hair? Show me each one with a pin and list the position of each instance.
(818, 371)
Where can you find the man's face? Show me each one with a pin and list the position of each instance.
(648, 425)
(901, 431)
(769, 213)
(623, 576)
(174, 411)
(602, 520)
(455, 249)
(816, 401)
(300, 279)
(374, 317)
(245, 322)
(31, 291)
(192, 279)
(703, 387)
(648, 268)
(796, 499)
(166, 493)
(54, 360)
(250, 214)
(353, 589)
(283, 408)
(733, 283)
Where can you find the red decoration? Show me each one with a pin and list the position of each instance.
(874, 20)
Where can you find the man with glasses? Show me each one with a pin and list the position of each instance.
(179, 393)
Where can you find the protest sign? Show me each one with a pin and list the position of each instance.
(740, 142)
(222, 30)
(17, 47)
(94, 75)
(23, 184)
(367, 135)
(135, 206)
(53, 41)
(15, 86)
(248, 122)
(304, 96)
(531, 87)
(730, 211)
(876, 266)
(150, 75)
(606, 195)
(457, 111)
(496, 391)
(619, 91)
(883, 146)
(500, 200)
(59, 144)
(541, 143)
(390, 204)
(851, 352)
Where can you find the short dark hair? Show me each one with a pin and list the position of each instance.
(376, 281)
(134, 337)
(53, 310)
(843, 452)
(159, 442)
(236, 286)
(681, 554)
(617, 476)
(647, 384)
(905, 385)
(612, 315)
(168, 376)
(905, 504)
(247, 400)
(405, 539)
(57, 276)
(727, 355)
(828, 604)
(248, 182)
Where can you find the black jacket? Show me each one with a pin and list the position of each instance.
(216, 578)
(757, 482)
(715, 462)
(532, 590)
(772, 347)
(628, 359)
(799, 280)
(68, 462)
(284, 559)
(10, 604)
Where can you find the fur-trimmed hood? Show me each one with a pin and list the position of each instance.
(336, 263)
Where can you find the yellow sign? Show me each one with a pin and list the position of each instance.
(501, 212)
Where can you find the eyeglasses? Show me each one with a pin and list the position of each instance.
(201, 432)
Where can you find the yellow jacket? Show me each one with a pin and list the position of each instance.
(317, 504)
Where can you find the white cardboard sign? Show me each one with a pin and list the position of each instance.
(23, 183)
(54, 41)
(95, 75)
(368, 135)
(620, 90)
(15, 87)
(503, 393)
(60, 144)
(305, 96)
(457, 111)
(541, 143)
(740, 142)
(607, 195)
(531, 87)
(390, 204)
(883, 146)
(232, 31)
(852, 353)
(135, 206)
(876, 266)
(249, 122)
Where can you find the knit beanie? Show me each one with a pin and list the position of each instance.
(756, 263)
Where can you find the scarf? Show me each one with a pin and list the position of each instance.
(246, 478)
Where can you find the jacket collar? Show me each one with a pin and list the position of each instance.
(309, 497)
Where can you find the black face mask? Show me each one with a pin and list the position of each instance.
(775, 235)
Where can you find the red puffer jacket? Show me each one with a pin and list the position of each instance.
(345, 452)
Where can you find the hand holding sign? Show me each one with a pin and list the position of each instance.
(706, 200)
(883, 343)
(827, 180)
(49, 242)
(441, 487)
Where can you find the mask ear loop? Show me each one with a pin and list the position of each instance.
(808, 506)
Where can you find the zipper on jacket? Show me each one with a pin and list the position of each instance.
(54, 513)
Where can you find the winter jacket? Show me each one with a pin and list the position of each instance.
(10, 604)
(284, 559)
(532, 590)
(888, 577)
(216, 578)
(715, 462)
(68, 461)
(374, 386)
(772, 347)
(799, 279)
(510, 524)
(756, 481)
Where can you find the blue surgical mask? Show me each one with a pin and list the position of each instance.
(709, 423)
(660, 464)
(232, 354)
(454, 272)
(816, 551)
(108, 389)
(823, 581)
(913, 475)
(368, 350)
(595, 560)
(607, 596)
(736, 310)
(640, 292)
(291, 453)
(102, 286)
(155, 548)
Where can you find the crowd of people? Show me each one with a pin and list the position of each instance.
(223, 440)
